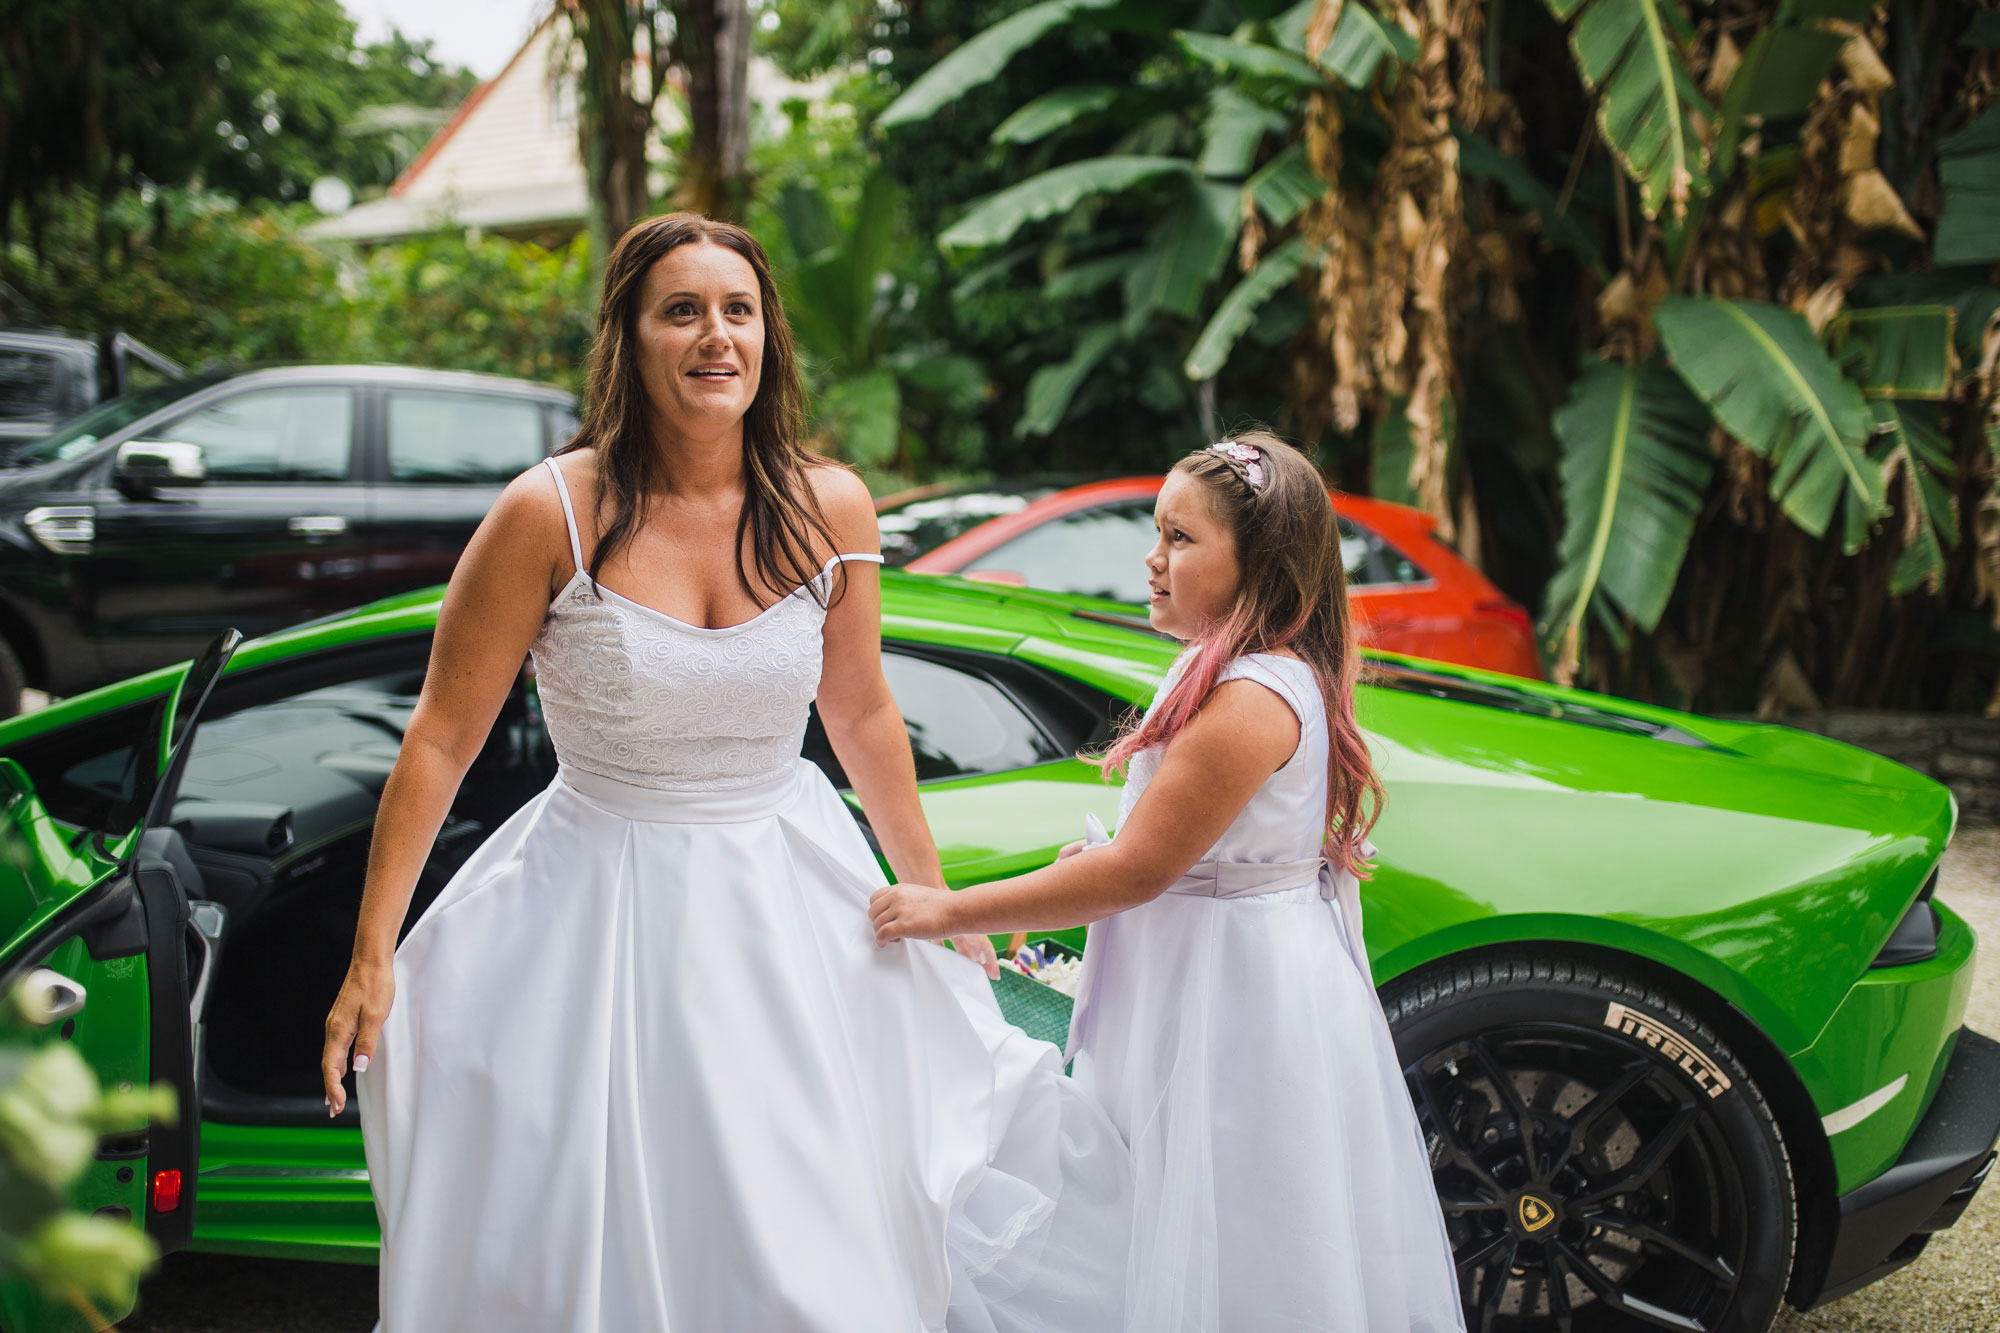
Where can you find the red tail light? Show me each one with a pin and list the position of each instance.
(166, 1191)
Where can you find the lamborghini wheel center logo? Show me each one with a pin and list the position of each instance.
(1533, 1214)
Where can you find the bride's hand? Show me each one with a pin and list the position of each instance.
(980, 950)
(356, 1020)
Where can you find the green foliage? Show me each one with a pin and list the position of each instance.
(1774, 387)
(52, 1115)
(1913, 447)
(1238, 310)
(995, 219)
(1361, 41)
(1629, 52)
(1968, 230)
(980, 59)
(1635, 461)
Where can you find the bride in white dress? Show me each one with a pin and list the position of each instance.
(641, 1066)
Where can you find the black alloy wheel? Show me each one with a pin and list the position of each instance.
(1603, 1161)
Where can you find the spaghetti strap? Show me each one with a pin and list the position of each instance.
(569, 514)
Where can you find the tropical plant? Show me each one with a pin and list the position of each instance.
(1636, 298)
(52, 1116)
(882, 399)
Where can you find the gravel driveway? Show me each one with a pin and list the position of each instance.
(1953, 1288)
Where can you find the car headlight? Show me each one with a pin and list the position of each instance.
(1916, 935)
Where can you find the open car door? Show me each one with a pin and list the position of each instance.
(113, 917)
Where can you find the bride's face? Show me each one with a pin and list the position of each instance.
(701, 338)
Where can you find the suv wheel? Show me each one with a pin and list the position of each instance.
(1603, 1160)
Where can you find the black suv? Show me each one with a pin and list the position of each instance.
(249, 500)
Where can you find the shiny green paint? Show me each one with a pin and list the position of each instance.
(285, 1191)
(1727, 862)
(1898, 1021)
(40, 874)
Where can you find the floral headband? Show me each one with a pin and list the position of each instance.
(1248, 455)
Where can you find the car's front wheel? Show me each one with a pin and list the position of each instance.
(1603, 1160)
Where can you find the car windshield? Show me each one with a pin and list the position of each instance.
(80, 434)
(927, 522)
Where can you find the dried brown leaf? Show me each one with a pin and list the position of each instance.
(1865, 70)
(1872, 204)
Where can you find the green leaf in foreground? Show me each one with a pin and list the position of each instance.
(1251, 58)
(1772, 385)
(1899, 351)
(1635, 461)
(1238, 310)
(1057, 190)
(1968, 228)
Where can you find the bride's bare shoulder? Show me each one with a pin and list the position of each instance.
(843, 497)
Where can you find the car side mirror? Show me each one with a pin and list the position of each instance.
(144, 466)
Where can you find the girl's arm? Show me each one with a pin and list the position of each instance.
(498, 598)
(1242, 734)
(860, 715)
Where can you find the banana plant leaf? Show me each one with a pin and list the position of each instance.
(1773, 386)
(1898, 351)
(1635, 462)
(1053, 111)
(998, 216)
(1184, 252)
(981, 58)
(1235, 125)
(1361, 41)
(1912, 443)
(1238, 310)
(1968, 228)
(1252, 58)
(1629, 52)
(1284, 186)
(1089, 275)
(1052, 387)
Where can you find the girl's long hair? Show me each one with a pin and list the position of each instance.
(780, 511)
(1293, 596)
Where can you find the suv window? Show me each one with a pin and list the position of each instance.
(303, 433)
(1097, 552)
(448, 439)
(28, 384)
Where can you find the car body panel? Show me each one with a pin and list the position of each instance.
(1895, 1023)
(1722, 852)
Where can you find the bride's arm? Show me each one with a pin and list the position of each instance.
(860, 715)
(498, 597)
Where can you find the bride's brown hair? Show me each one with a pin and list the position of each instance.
(780, 511)
(1293, 596)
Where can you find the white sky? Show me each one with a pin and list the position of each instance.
(482, 34)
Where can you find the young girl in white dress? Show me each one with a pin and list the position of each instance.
(1226, 1019)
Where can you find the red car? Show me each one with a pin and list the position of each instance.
(1411, 593)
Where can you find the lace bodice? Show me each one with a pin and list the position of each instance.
(633, 694)
(1283, 821)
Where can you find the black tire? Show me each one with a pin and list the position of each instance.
(12, 680)
(1670, 1205)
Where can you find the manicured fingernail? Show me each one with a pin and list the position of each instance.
(329, 1108)
(360, 1064)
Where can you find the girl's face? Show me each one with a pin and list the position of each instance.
(701, 338)
(1192, 568)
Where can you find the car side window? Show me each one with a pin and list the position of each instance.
(1096, 552)
(304, 433)
(960, 724)
(28, 385)
(1373, 562)
(440, 438)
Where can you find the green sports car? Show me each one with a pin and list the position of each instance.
(1679, 1014)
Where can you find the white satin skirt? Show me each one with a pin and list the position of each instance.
(647, 1071)
(1282, 1183)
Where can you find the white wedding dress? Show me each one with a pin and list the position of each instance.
(647, 1071)
(1230, 1029)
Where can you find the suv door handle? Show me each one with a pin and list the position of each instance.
(318, 525)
